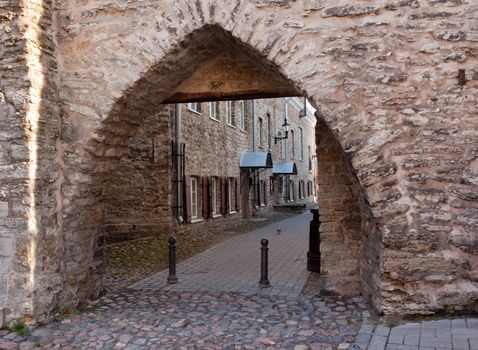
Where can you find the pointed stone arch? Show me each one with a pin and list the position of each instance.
(390, 107)
(164, 81)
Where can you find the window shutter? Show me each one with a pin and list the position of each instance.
(223, 195)
(205, 197)
(238, 193)
(187, 198)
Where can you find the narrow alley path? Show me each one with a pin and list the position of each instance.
(234, 264)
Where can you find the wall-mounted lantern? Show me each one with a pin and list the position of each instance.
(286, 131)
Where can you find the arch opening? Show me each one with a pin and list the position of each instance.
(184, 76)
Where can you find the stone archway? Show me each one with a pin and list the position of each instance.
(199, 52)
(383, 75)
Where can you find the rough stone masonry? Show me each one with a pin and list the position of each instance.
(77, 79)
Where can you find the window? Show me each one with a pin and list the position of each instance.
(300, 189)
(301, 144)
(292, 143)
(261, 192)
(261, 132)
(213, 113)
(269, 131)
(229, 113)
(281, 145)
(194, 198)
(264, 191)
(310, 159)
(292, 191)
(215, 196)
(232, 194)
(195, 107)
(242, 116)
(271, 184)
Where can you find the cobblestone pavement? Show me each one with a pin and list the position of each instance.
(234, 265)
(130, 261)
(202, 320)
(210, 309)
(445, 334)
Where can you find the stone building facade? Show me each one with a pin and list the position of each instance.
(395, 84)
(142, 201)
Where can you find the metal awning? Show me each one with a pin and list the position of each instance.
(256, 160)
(287, 168)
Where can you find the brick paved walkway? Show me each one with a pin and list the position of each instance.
(234, 265)
(446, 334)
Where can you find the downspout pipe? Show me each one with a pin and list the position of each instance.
(253, 116)
(254, 147)
(286, 146)
(177, 142)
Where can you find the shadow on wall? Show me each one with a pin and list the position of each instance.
(350, 243)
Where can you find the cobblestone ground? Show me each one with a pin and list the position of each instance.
(234, 265)
(201, 320)
(203, 312)
(130, 261)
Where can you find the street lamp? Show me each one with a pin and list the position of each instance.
(286, 130)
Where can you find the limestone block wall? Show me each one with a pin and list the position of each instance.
(383, 73)
(13, 156)
(213, 149)
(30, 235)
(340, 230)
(275, 109)
(350, 245)
(139, 195)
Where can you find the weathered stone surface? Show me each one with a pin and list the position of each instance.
(370, 68)
(313, 5)
(349, 10)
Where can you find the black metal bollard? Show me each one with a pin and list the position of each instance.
(313, 255)
(172, 261)
(264, 282)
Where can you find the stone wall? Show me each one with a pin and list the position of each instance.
(214, 148)
(31, 249)
(139, 195)
(13, 92)
(350, 245)
(283, 151)
(383, 73)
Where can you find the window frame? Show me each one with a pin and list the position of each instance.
(194, 198)
(216, 196)
(229, 117)
(301, 144)
(310, 158)
(231, 188)
(213, 106)
(261, 132)
(292, 143)
(242, 115)
(195, 107)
